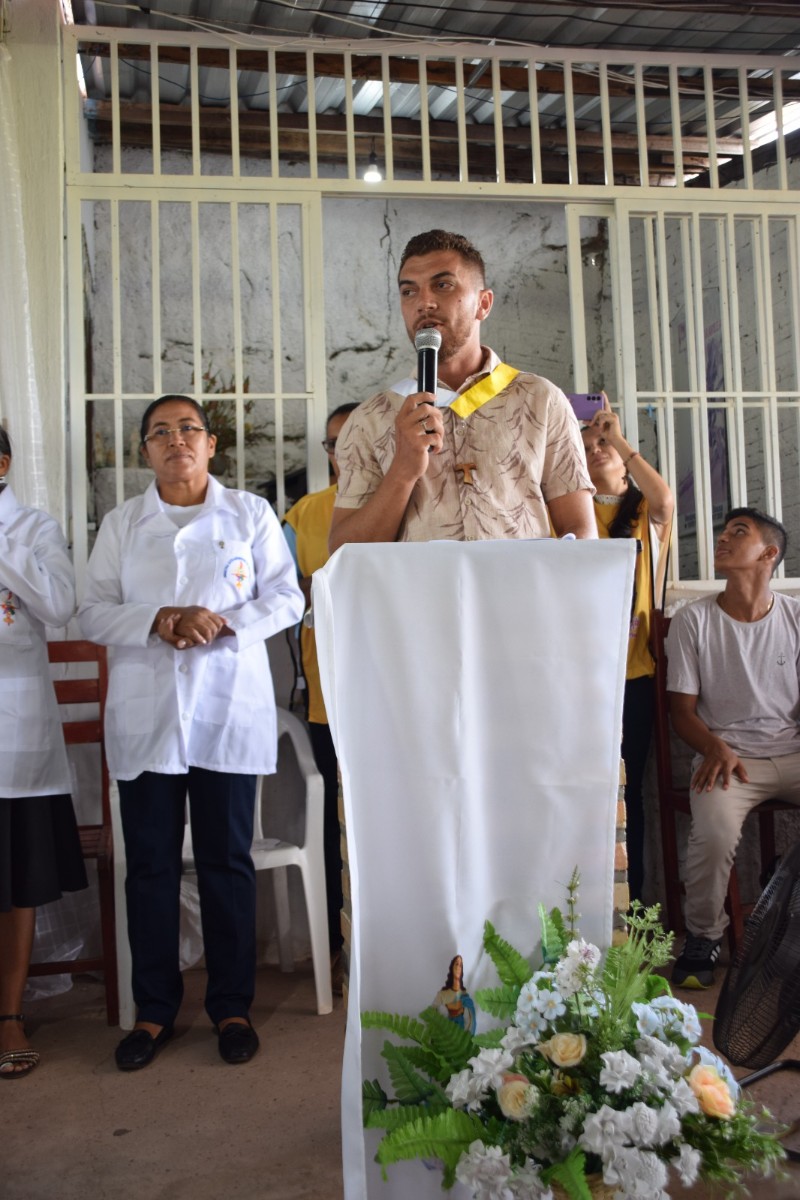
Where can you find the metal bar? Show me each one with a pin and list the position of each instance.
(536, 140)
(665, 352)
(349, 122)
(577, 306)
(424, 120)
(238, 358)
(277, 355)
(388, 143)
(499, 140)
(767, 349)
(116, 153)
(780, 148)
(711, 126)
(569, 105)
(736, 458)
(194, 102)
(702, 468)
(155, 293)
(675, 121)
(744, 106)
(641, 126)
(197, 314)
(233, 77)
(461, 121)
(311, 108)
(605, 118)
(274, 133)
(116, 350)
(77, 528)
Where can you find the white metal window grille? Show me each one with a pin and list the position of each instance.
(267, 133)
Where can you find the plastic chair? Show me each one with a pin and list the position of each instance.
(275, 855)
(673, 800)
(97, 843)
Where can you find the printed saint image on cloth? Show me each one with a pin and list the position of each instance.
(453, 1000)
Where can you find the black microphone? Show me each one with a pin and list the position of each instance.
(427, 343)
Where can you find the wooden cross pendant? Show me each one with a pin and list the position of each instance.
(467, 468)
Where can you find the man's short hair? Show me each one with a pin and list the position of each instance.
(773, 533)
(439, 239)
(341, 410)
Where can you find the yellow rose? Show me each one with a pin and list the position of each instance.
(712, 1092)
(515, 1097)
(564, 1049)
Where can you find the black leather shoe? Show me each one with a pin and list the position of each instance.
(139, 1048)
(237, 1042)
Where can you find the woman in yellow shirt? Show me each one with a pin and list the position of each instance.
(306, 528)
(632, 500)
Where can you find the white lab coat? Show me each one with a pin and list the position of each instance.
(211, 706)
(37, 588)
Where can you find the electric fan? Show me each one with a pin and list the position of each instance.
(758, 1012)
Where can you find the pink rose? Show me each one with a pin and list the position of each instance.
(712, 1092)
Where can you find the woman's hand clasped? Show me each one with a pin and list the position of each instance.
(189, 626)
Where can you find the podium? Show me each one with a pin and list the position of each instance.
(474, 692)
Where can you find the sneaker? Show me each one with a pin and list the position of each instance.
(695, 967)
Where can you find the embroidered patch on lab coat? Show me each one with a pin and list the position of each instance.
(237, 572)
(8, 607)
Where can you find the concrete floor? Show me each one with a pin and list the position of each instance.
(189, 1126)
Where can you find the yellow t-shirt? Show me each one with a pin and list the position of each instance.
(310, 518)
(640, 660)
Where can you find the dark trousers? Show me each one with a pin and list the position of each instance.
(221, 808)
(637, 729)
(325, 758)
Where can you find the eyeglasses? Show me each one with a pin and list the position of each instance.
(329, 444)
(163, 435)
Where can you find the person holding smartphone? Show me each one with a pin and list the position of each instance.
(632, 500)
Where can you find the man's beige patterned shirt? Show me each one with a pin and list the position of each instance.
(525, 447)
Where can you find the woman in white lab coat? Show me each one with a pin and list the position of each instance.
(40, 852)
(184, 585)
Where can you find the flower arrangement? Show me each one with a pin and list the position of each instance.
(594, 1084)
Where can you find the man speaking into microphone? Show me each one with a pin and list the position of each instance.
(470, 448)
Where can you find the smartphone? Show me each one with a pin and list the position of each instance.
(585, 404)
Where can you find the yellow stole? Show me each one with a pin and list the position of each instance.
(484, 390)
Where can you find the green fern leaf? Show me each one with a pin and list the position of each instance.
(500, 1002)
(491, 1039)
(454, 1046)
(445, 1135)
(512, 967)
(571, 1174)
(409, 1028)
(409, 1086)
(396, 1118)
(373, 1096)
(553, 935)
(429, 1062)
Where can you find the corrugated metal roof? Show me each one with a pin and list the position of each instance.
(724, 27)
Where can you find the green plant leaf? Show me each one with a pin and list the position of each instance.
(512, 967)
(410, 1028)
(445, 1135)
(374, 1098)
(571, 1174)
(397, 1117)
(491, 1039)
(410, 1087)
(656, 985)
(500, 1002)
(454, 1045)
(553, 935)
(429, 1062)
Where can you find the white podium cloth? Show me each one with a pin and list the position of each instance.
(474, 692)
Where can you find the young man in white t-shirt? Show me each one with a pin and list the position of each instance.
(733, 679)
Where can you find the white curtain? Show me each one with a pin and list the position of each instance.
(475, 697)
(20, 409)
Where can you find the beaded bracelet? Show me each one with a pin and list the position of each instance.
(633, 454)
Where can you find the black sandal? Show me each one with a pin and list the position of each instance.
(27, 1059)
